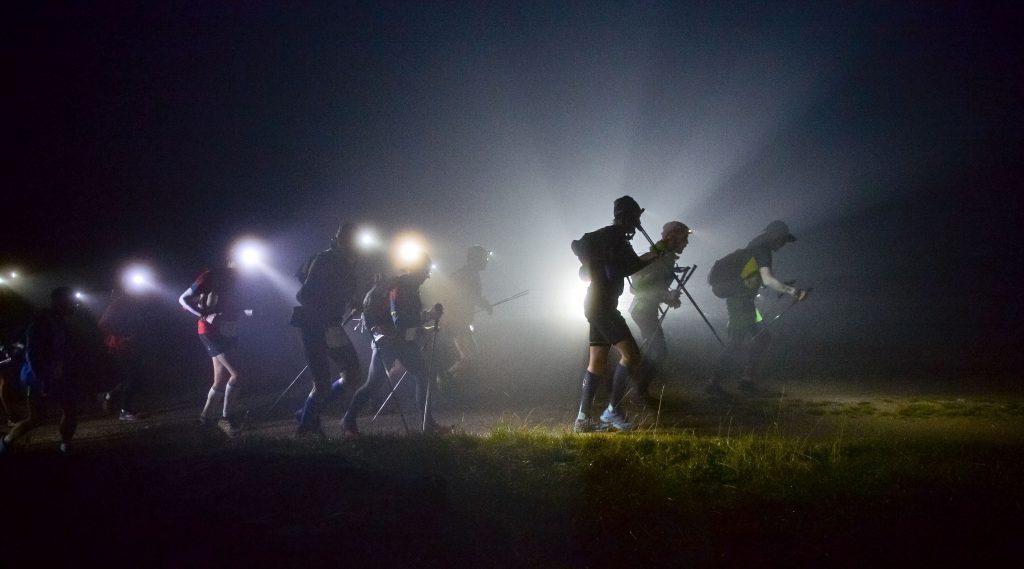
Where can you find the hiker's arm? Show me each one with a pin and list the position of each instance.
(186, 299)
(775, 284)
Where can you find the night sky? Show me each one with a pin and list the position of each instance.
(888, 135)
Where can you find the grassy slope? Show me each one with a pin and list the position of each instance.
(872, 491)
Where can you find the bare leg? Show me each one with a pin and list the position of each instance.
(230, 379)
(68, 421)
(215, 397)
(36, 411)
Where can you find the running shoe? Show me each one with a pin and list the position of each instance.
(229, 427)
(586, 425)
(612, 419)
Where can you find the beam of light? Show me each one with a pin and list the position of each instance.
(252, 256)
(286, 286)
(569, 297)
(573, 293)
(9, 278)
(250, 253)
(79, 295)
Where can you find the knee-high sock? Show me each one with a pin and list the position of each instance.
(310, 412)
(588, 390)
(620, 381)
(231, 396)
(348, 378)
(213, 401)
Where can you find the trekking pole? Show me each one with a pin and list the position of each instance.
(701, 312)
(348, 317)
(509, 299)
(779, 315)
(685, 274)
(433, 360)
(394, 388)
(286, 390)
(663, 312)
(686, 292)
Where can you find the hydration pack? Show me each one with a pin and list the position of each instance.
(725, 277)
(588, 249)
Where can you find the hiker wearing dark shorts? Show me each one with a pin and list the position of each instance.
(608, 259)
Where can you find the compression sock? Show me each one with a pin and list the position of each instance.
(213, 401)
(310, 412)
(588, 390)
(620, 381)
(231, 396)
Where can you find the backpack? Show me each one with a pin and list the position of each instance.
(724, 277)
(588, 250)
(302, 273)
(376, 311)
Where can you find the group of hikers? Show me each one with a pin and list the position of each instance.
(608, 260)
(53, 355)
(392, 312)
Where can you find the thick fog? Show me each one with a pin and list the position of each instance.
(886, 137)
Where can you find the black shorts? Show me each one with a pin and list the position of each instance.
(608, 328)
(318, 348)
(217, 344)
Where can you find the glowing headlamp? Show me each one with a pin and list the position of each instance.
(137, 279)
(249, 253)
(367, 239)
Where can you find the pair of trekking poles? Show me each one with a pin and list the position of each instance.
(682, 278)
(392, 385)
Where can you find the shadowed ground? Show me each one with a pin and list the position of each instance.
(818, 468)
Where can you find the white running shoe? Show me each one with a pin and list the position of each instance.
(612, 419)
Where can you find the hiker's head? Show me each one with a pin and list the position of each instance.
(344, 237)
(627, 213)
(778, 234)
(476, 257)
(775, 236)
(676, 236)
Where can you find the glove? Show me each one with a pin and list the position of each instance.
(659, 248)
(671, 298)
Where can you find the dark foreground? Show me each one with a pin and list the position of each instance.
(872, 469)
(172, 495)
